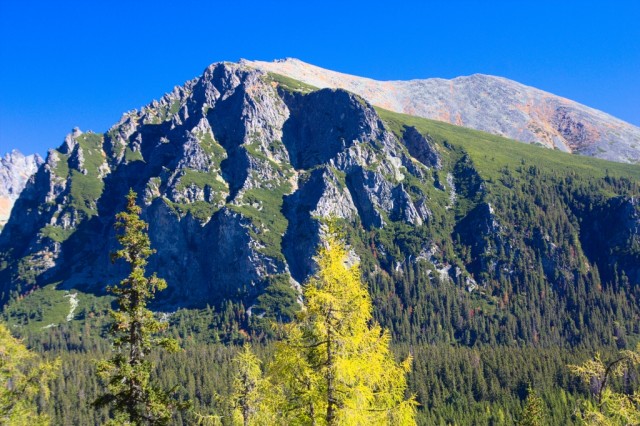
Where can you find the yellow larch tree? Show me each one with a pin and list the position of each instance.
(334, 366)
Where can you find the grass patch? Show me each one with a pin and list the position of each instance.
(290, 84)
(201, 210)
(212, 148)
(85, 191)
(37, 311)
(130, 155)
(62, 166)
(490, 153)
(56, 233)
(202, 180)
(264, 208)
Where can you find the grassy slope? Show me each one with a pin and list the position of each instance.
(490, 153)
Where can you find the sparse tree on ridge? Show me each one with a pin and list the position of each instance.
(131, 395)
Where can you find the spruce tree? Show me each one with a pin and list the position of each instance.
(131, 395)
(534, 410)
(335, 365)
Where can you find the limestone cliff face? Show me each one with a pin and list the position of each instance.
(234, 172)
(15, 169)
(491, 104)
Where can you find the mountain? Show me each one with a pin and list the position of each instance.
(494, 263)
(15, 169)
(492, 104)
(237, 168)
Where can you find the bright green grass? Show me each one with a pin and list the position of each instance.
(201, 180)
(290, 84)
(49, 307)
(490, 153)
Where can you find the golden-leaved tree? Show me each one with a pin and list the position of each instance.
(334, 366)
(23, 380)
(609, 407)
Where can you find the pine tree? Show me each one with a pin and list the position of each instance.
(534, 410)
(23, 379)
(335, 365)
(134, 331)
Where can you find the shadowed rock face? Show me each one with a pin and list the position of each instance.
(235, 175)
(491, 104)
(15, 169)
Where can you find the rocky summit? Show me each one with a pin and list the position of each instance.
(235, 173)
(237, 169)
(488, 103)
(15, 169)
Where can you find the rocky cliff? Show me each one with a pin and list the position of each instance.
(235, 173)
(237, 169)
(15, 169)
(483, 102)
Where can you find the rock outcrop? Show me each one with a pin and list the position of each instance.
(15, 169)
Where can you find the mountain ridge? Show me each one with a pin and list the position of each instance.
(488, 103)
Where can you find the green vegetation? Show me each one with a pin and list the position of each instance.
(290, 84)
(491, 153)
(130, 393)
(551, 289)
(264, 208)
(200, 210)
(211, 147)
(130, 155)
(56, 233)
(85, 192)
(202, 180)
(62, 167)
(24, 383)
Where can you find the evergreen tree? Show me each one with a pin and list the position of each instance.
(23, 379)
(610, 407)
(335, 364)
(534, 410)
(134, 330)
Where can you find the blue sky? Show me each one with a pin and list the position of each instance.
(69, 63)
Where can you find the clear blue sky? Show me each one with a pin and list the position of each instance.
(68, 63)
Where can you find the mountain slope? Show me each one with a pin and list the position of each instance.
(237, 169)
(15, 169)
(491, 104)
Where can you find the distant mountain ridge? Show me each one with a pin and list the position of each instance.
(482, 102)
(15, 169)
